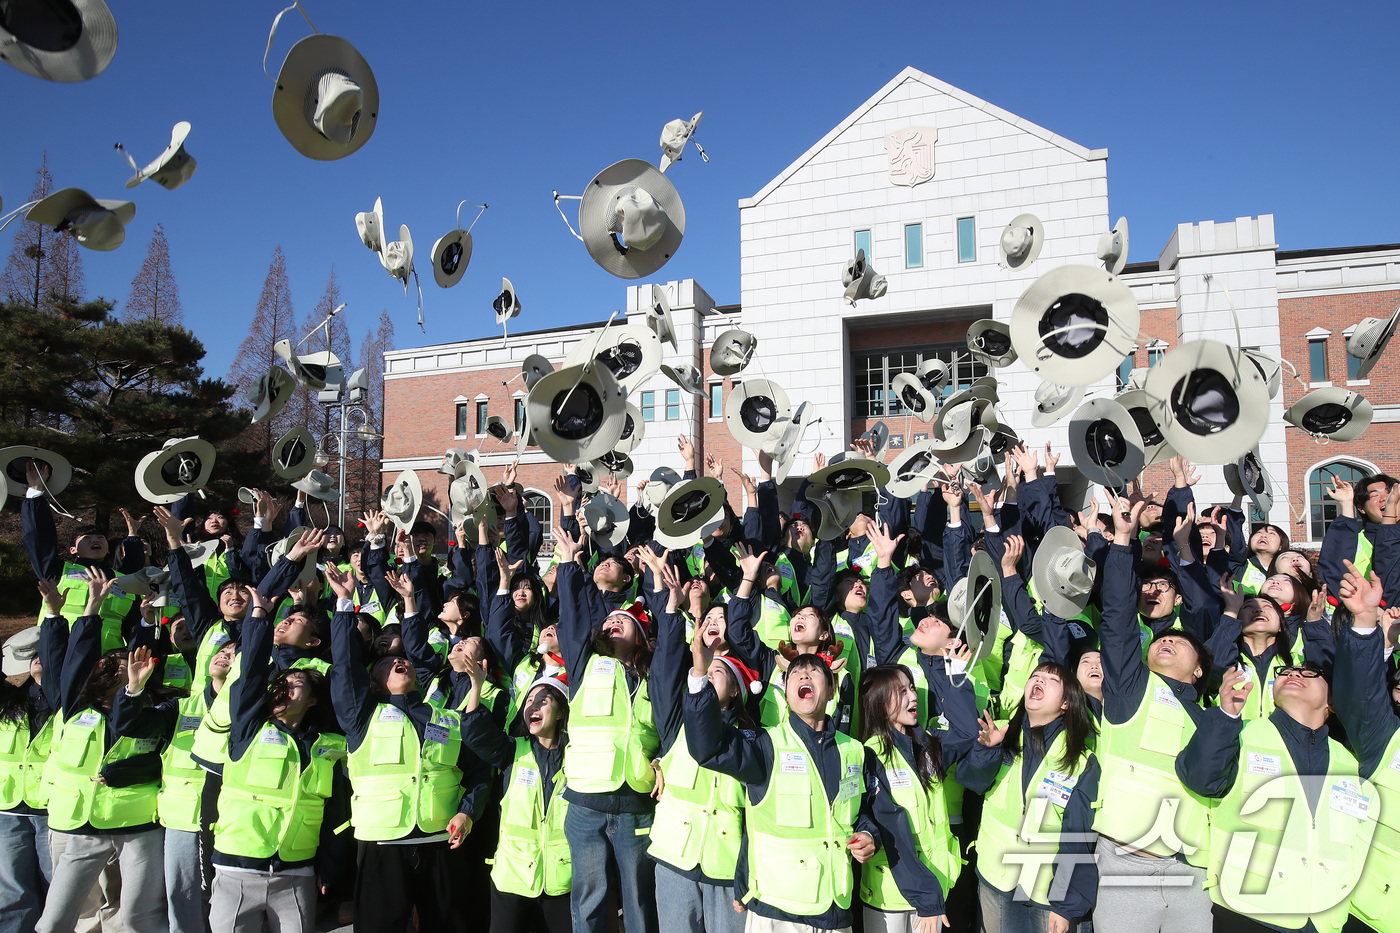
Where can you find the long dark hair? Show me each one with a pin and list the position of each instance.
(1283, 645)
(530, 622)
(106, 674)
(14, 701)
(878, 687)
(639, 663)
(321, 717)
(519, 730)
(1079, 722)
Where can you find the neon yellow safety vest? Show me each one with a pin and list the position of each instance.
(78, 756)
(773, 619)
(797, 838)
(1260, 702)
(73, 586)
(1364, 553)
(1272, 860)
(400, 783)
(1376, 899)
(1019, 837)
(988, 670)
(215, 573)
(520, 683)
(269, 804)
(864, 564)
(699, 818)
(927, 811)
(22, 763)
(214, 639)
(1253, 579)
(788, 583)
(612, 738)
(181, 780)
(176, 673)
(211, 740)
(1144, 805)
(532, 854)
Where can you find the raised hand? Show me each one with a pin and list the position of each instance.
(667, 576)
(884, 545)
(257, 601)
(309, 543)
(687, 449)
(1181, 533)
(1025, 461)
(140, 665)
(1011, 473)
(1126, 516)
(567, 545)
(400, 583)
(752, 489)
(1361, 596)
(376, 523)
(750, 560)
(1051, 458)
(988, 732)
(269, 506)
(864, 446)
(1011, 557)
(1317, 606)
(342, 583)
(131, 523)
(53, 599)
(1234, 690)
(1231, 596)
(714, 467)
(172, 526)
(819, 462)
(99, 585)
(765, 463)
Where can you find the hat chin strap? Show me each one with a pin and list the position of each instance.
(296, 5)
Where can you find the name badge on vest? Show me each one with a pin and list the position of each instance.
(390, 714)
(843, 628)
(88, 718)
(436, 733)
(326, 751)
(177, 671)
(220, 639)
(527, 777)
(1057, 788)
(901, 778)
(793, 762)
(1163, 694)
(143, 746)
(604, 666)
(1395, 762)
(849, 788)
(272, 736)
(189, 723)
(1259, 763)
(435, 696)
(77, 573)
(786, 571)
(116, 592)
(1076, 631)
(1347, 798)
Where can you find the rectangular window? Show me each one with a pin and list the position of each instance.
(1154, 354)
(873, 372)
(967, 239)
(481, 417)
(717, 400)
(1353, 365)
(863, 243)
(1317, 360)
(648, 406)
(461, 419)
(673, 404)
(913, 246)
(519, 414)
(1125, 369)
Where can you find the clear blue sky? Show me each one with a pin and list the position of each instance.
(1209, 111)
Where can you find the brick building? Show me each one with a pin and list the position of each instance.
(924, 177)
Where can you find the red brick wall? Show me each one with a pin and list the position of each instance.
(1381, 442)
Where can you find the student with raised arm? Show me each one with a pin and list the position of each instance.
(1041, 779)
(418, 790)
(903, 887)
(699, 820)
(612, 746)
(1152, 829)
(808, 808)
(101, 787)
(1364, 511)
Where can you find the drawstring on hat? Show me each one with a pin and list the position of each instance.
(567, 197)
(296, 5)
(474, 219)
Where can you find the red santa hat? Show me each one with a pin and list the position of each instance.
(747, 677)
(638, 613)
(559, 682)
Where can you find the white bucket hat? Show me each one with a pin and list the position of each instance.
(934, 374)
(1333, 412)
(1053, 402)
(659, 316)
(96, 223)
(632, 353)
(1074, 325)
(311, 370)
(454, 461)
(326, 102)
(1138, 404)
(614, 463)
(535, 368)
(674, 135)
(20, 649)
(180, 467)
(633, 429)
(1064, 577)
(692, 511)
(397, 257)
(784, 448)
(370, 226)
(1073, 488)
(990, 343)
(12, 466)
(974, 606)
(687, 377)
(1021, 241)
(172, 168)
(1113, 247)
(507, 303)
(576, 415)
(631, 219)
(861, 281)
(878, 434)
(1211, 402)
(271, 393)
(914, 396)
(63, 42)
(849, 471)
(607, 519)
(732, 351)
(453, 250)
(497, 427)
(1269, 367)
(403, 500)
(1368, 341)
(1248, 476)
(756, 412)
(294, 454)
(912, 470)
(318, 485)
(657, 488)
(1105, 443)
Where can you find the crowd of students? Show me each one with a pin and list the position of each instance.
(788, 726)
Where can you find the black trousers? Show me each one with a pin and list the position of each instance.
(394, 880)
(511, 913)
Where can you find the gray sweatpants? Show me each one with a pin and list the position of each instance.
(242, 899)
(75, 872)
(1141, 894)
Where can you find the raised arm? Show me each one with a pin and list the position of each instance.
(882, 612)
(201, 613)
(1360, 691)
(1120, 641)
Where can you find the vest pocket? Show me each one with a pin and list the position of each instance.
(1162, 734)
(596, 764)
(793, 810)
(380, 811)
(598, 699)
(517, 867)
(266, 772)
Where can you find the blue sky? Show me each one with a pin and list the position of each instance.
(1209, 111)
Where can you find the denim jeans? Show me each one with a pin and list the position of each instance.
(24, 870)
(694, 906)
(1002, 912)
(592, 835)
(184, 884)
(141, 857)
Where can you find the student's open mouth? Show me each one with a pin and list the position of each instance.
(805, 692)
(1037, 692)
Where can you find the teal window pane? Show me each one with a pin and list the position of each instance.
(1317, 360)
(648, 406)
(913, 246)
(673, 404)
(967, 239)
(863, 243)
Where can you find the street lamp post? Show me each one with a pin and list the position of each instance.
(349, 399)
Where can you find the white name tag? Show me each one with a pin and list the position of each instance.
(190, 723)
(435, 696)
(437, 637)
(604, 666)
(1163, 694)
(1347, 798)
(1057, 788)
(528, 777)
(220, 639)
(328, 752)
(1395, 762)
(88, 718)
(1259, 763)
(901, 777)
(271, 736)
(177, 671)
(843, 628)
(794, 762)
(390, 714)
(143, 746)
(848, 789)
(786, 570)
(435, 733)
